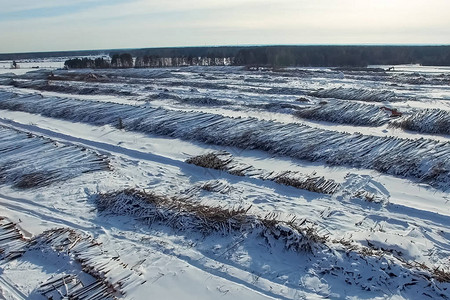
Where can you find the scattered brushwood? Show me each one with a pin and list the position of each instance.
(359, 69)
(356, 94)
(363, 187)
(224, 161)
(285, 91)
(343, 112)
(29, 161)
(264, 80)
(303, 99)
(112, 277)
(273, 91)
(369, 197)
(70, 286)
(276, 107)
(309, 182)
(395, 265)
(59, 286)
(440, 274)
(186, 215)
(204, 101)
(12, 241)
(434, 121)
(36, 179)
(212, 160)
(394, 79)
(181, 214)
(358, 265)
(89, 77)
(374, 270)
(416, 158)
(298, 235)
(216, 186)
(200, 85)
(164, 96)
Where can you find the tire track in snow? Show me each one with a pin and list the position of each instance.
(28, 208)
(11, 289)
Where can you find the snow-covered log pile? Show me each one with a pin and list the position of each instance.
(343, 112)
(276, 107)
(216, 186)
(283, 91)
(423, 159)
(415, 78)
(356, 94)
(198, 85)
(377, 270)
(12, 241)
(186, 215)
(203, 101)
(224, 161)
(70, 286)
(87, 88)
(421, 78)
(367, 267)
(107, 278)
(29, 161)
(112, 277)
(426, 121)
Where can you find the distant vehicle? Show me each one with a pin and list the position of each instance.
(14, 65)
(394, 112)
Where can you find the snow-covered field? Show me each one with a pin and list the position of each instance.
(222, 182)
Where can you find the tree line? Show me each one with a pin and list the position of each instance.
(125, 60)
(343, 56)
(275, 56)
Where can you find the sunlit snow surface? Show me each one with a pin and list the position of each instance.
(135, 128)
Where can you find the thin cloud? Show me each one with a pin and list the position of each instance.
(115, 24)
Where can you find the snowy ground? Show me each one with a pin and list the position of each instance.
(71, 141)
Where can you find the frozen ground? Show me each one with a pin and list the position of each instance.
(98, 199)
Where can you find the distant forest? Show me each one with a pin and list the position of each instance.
(125, 60)
(276, 56)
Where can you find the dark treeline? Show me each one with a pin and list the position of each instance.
(342, 56)
(83, 63)
(207, 52)
(314, 56)
(152, 61)
(125, 60)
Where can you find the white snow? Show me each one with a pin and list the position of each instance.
(411, 225)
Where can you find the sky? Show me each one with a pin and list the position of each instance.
(52, 25)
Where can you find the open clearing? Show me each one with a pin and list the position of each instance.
(225, 182)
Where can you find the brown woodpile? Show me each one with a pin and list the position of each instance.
(224, 161)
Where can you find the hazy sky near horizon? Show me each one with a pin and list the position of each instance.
(51, 25)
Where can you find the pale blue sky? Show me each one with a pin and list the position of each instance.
(46, 25)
